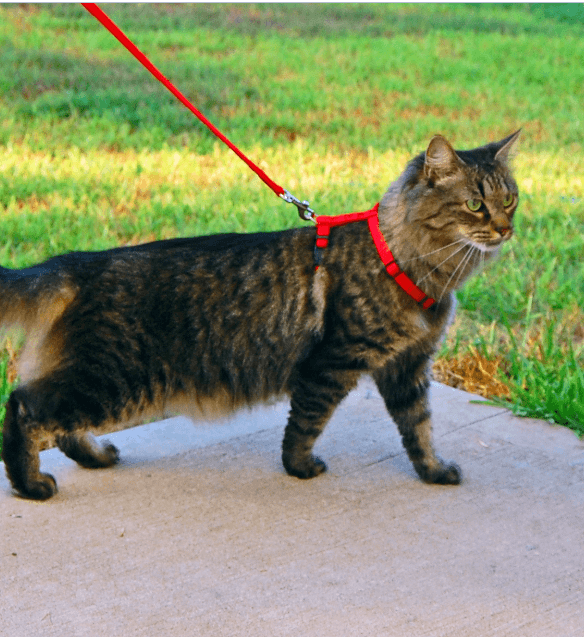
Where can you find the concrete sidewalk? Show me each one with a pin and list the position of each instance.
(199, 532)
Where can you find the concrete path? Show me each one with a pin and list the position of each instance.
(200, 533)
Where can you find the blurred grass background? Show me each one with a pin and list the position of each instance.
(332, 100)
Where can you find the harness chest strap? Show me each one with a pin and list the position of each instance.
(323, 227)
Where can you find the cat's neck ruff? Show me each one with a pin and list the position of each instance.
(325, 223)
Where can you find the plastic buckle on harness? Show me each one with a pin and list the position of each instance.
(305, 212)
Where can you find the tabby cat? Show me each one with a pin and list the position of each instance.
(203, 326)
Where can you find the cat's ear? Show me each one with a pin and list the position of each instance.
(503, 147)
(441, 159)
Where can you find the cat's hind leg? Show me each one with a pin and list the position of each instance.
(20, 451)
(405, 393)
(87, 451)
(51, 408)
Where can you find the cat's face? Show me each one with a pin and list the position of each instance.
(464, 195)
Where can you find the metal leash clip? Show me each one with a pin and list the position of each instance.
(305, 212)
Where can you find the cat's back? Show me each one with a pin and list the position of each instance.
(169, 251)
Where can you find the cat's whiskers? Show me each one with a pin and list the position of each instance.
(421, 256)
(466, 260)
(460, 266)
(465, 245)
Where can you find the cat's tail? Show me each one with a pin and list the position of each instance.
(32, 298)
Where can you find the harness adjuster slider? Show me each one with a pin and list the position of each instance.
(322, 235)
(392, 269)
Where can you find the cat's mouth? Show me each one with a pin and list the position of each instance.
(486, 246)
(490, 244)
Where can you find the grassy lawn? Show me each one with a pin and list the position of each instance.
(331, 100)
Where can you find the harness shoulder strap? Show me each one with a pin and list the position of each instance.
(323, 228)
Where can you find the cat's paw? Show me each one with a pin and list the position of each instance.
(112, 453)
(105, 455)
(42, 488)
(308, 468)
(442, 474)
(87, 451)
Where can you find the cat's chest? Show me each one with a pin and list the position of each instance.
(393, 321)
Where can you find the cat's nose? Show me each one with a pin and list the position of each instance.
(503, 230)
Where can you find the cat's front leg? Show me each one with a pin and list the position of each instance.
(405, 392)
(314, 396)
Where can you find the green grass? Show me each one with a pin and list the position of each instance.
(5, 388)
(332, 100)
(547, 384)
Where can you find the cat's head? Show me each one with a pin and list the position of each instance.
(469, 195)
(450, 211)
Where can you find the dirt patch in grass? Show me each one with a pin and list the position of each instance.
(473, 373)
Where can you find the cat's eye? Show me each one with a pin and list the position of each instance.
(474, 204)
(508, 200)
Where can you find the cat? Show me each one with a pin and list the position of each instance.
(206, 325)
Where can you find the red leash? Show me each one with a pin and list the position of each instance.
(304, 209)
(324, 223)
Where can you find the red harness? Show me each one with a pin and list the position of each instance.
(323, 228)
